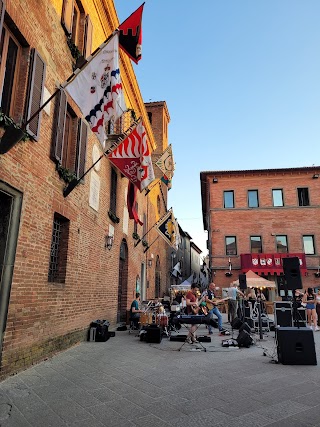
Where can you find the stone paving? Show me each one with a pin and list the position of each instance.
(127, 382)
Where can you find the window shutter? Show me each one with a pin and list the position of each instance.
(67, 15)
(37, 74)
(113, 191)
(2, 10)
(88, 37)
(59, 125)
(81, 148)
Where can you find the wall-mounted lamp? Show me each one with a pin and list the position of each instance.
(150, 261)
(315, 176)
(215, 180)
(108, 241)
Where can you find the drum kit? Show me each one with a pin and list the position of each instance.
(155, 314)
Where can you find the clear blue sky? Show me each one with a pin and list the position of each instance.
(241, 81)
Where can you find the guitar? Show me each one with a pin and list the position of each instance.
(201, 309)
(217, 301)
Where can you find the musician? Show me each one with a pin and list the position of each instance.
(210, 297)
(135, 311)
(192, 307)
(233, 293)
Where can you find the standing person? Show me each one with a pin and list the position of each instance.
(210, 298)
(318, 306)
(192, 308)
(310, 298)
(233, 293)
(135, 311)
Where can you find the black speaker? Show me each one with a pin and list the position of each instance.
(236, 323)
(242, 281)
(245, 327)
(154, 334)
(244, 339)
(291, 269)
(295, 346)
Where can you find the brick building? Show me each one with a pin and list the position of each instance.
(255, 218)
(65, 261)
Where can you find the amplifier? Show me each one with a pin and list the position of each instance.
(295, 346)
(154, 334)
(283, 313)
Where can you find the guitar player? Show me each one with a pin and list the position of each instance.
(210, 300)
(192, 307)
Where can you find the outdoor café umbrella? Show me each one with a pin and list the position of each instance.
(256, 281)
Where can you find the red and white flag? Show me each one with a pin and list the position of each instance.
(97, 88)
(133, 158)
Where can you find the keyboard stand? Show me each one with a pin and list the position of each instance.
(193, 336)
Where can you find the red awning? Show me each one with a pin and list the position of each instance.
(269, 263)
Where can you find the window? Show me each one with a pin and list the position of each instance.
(59, 249)
(256, 244)
(14, 58)
(150, 117)
(308, 245)
(70, 138)
(282, 244)
(113, 192)
(277, 197)
(10, 51)
(228, 198)
(77, 25)
(253, 201)
(122, 124)
(231, 245)
(303, 196)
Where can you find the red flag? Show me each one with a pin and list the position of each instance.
(131, 203)
(130, 38)
(132, 157)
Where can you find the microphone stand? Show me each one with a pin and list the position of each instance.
(259, 318)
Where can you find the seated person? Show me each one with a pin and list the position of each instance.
(135, 311)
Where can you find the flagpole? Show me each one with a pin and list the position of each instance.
(150, 245)
(71, 77)
(72, 185)
(149, 189)
(160, 219)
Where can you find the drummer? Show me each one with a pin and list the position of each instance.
(135, 311)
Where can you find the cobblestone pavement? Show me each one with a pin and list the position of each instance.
(127, 382)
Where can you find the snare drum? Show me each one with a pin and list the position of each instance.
(162, 320)
(146, 318)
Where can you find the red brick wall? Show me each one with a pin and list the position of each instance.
(45, 317)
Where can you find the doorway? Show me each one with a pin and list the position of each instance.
(123, 283)
(10, 213)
